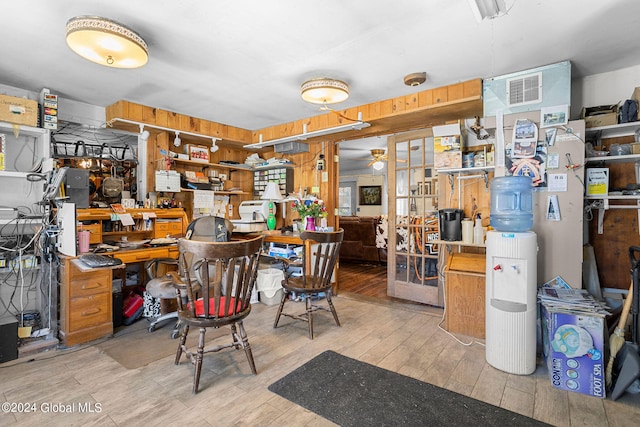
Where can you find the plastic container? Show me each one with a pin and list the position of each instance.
(467, 230)
(512, 203)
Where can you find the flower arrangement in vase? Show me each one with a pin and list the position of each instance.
(310, 209)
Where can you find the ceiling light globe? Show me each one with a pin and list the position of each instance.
(378, 165)
(324, 91)
(106, 42)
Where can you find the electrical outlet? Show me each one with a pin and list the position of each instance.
(315, 190)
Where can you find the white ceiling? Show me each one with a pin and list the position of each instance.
(241, 63)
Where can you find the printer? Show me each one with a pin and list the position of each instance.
(253, 216)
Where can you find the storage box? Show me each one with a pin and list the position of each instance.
(19, 111)
(604, 115)
(597, 181)
(448, 160)
(573, 347)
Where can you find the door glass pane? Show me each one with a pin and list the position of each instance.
(344, 201)
(402, 154)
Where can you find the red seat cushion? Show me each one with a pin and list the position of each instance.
(199, 303)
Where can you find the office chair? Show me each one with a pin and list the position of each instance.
(205, 229)
(316, 275)
(217, 279)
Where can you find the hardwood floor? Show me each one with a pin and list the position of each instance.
(404, 338)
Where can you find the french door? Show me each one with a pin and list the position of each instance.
(412, 264)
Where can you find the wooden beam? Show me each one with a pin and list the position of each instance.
(167, 119)
(416, 111)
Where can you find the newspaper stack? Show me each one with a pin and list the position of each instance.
(557, 295)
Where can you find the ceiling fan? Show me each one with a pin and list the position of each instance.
(380, 155)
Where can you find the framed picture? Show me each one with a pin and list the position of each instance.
(554, 116)
(199, 153)
(371, 195)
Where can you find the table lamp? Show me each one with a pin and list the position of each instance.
(271, 193)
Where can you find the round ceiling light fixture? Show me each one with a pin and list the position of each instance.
(106, 42)
(378, 165)
(324, 91)
(415, 79)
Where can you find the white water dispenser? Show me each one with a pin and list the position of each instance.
(511, 286)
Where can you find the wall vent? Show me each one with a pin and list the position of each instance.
(524, 90)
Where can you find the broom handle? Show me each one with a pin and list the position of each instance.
(625, 309)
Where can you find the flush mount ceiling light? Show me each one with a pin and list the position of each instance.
(415, 79)
(106, 42)
(487, 9)
(324, 91)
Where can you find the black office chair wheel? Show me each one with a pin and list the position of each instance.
(151, 328)
(175, 334)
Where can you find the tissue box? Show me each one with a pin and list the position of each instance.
(573, 347)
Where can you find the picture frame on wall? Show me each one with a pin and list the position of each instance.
(370, 195)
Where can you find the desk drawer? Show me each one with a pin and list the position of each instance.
(173, 228)
(141, 255)
(88, 311)
(89, 282)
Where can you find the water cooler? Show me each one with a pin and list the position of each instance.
(511, 286)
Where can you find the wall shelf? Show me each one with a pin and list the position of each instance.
(626, 158)
(602, 204)
(614, 131)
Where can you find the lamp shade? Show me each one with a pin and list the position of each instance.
(106, 42)
(324, 91)
(271, 192)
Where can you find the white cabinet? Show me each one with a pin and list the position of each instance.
(24, 148)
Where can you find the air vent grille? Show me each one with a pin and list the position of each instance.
(524, 90)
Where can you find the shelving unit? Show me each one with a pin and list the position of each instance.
(244, 190)
(602, 202)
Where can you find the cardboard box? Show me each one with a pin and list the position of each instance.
(635, 148)
(448, 160)
(447, 143)
(573, 347)
(604, 115)
(597, 181)
(18, 111)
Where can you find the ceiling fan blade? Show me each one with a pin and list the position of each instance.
(371, 163)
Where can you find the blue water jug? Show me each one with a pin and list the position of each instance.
(512, 203)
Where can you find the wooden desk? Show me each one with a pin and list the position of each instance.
(86, 310)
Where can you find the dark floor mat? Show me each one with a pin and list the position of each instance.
(353, 393)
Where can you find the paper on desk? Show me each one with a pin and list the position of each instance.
(126, 219)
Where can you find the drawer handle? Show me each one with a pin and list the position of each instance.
(91, 312)
(91, 286)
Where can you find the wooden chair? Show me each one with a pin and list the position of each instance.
(323, 248)
(218, 295)
(160, 286)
